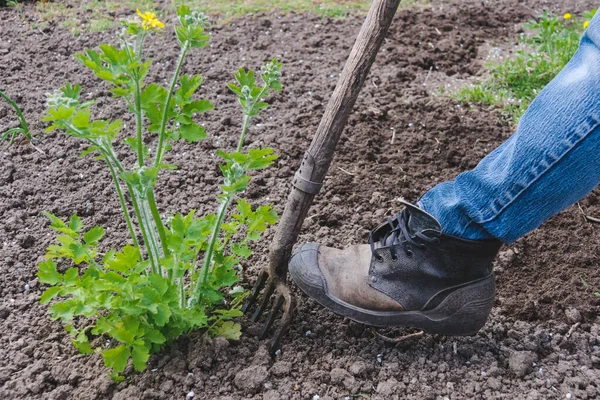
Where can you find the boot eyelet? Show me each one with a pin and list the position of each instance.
(394, 258)
(379, 259)
(436, 241)
(409, 253)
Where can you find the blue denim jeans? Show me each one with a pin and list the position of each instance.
(548, 164)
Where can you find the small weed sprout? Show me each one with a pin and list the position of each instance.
(151, 291)
(518, 80)
(23, 129)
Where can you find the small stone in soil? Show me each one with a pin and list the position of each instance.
(521, 362)
(251, 378)
(573, 315)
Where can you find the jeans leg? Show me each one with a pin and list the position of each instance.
(548, 164)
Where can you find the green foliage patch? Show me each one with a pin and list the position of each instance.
(549, 44)
(182, 275)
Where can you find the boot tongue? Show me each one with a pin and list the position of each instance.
(417, 221)
(420, 221)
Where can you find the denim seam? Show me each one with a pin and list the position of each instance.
(578, 138)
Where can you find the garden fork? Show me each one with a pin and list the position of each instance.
(309, 178)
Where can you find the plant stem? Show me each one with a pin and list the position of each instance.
(138, 121)
(211, 247)
(159, 226)
(145, 227)
(140, 45)
(244, 129)
(162, 139)
(247, 118)
(123, 204)
(145, 219)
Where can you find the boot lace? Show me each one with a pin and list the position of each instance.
(397, 232)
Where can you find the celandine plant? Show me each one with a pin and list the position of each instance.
(180, 276)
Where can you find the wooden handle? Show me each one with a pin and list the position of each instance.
(330, 128)
(350, 83)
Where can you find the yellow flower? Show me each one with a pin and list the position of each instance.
(585, 24)
(567, 16)
(149, 21)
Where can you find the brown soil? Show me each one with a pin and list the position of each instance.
(527, 349)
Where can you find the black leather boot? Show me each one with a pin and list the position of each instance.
(411, 274)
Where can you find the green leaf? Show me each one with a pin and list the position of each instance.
(81, 119)
(115, 278)
(71, 276)
(253, 236)
(197, 106)
(116, 377)
(75, 223)
(159, 283)
(229, 314)
(87, 151)
(49, 294)
(93, 235)
(122, 334)
(235, 89)
(188, 85)
(139, 356)
(82, 343)
(241, 250)
(162, 315)
(192, 132)
(196, 318)
(48, 273)
(245, 78)
(229, 330)
(236, 291)
(55, 222)
(132, 324)
(153, 94)
(116, 358)
(79, 253)
(212, 296)
(72, 91)
(260, 158)
(225, 275)
(125, 260)
(155, 336)
(63, 310)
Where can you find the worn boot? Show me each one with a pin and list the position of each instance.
(411, 274)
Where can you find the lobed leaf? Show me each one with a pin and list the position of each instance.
(139, 356)
(116, 358)
(93, 235)
(229, 330)
(49, 294)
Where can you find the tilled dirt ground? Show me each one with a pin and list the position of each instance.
(543, 336)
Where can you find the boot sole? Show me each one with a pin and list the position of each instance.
(463, 312)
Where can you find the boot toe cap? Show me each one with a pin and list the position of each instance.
(304, 269)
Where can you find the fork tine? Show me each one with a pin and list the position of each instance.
(260, 282)
(286, 318)
(272, 315)
(284, 323)
(265, 300)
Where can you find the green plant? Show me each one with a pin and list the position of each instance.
(586, 285)
(515, 82)
(23, 129)
(152, 291)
